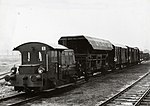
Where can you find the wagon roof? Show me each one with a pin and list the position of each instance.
(133, 47)
(96, 43)
(120, 45)
(136, 48)
(51, 46)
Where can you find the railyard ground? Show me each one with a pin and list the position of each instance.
(97, 89)
(6, 63)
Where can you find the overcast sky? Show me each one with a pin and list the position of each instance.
(119, 21)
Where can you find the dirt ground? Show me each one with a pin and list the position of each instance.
(97, 89)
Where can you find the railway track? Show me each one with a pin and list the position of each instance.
(17, 99)
(2, 75)
(23, 98)
(136, 94)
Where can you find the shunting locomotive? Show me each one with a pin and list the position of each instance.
(43, 66)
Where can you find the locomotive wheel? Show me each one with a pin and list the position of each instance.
(86, 78)
(19, 89)
(27, 90)
(73, 79)
(103, 70)
(51, 84)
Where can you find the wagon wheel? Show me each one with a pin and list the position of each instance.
(52, 84)
(27, 90)
(103, 70)
(86, 76)
(74, 79)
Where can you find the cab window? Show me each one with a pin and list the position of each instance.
(53, 56)
(40, 56)
(28, 56)
(32, 57)
(68, 57)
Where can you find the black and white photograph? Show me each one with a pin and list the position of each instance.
(74, 52)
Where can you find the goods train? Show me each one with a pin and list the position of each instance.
(44, 66)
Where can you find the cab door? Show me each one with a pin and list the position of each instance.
(67, 64)
(53, 64)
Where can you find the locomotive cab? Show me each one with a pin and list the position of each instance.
(43, 66)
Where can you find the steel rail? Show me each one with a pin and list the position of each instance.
(142, 97)
(2, 78)
(121, 92)
(11, 96)
(21, 99)
(2, 74)
(24, 101)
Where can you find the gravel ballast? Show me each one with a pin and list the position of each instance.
(97, 89)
